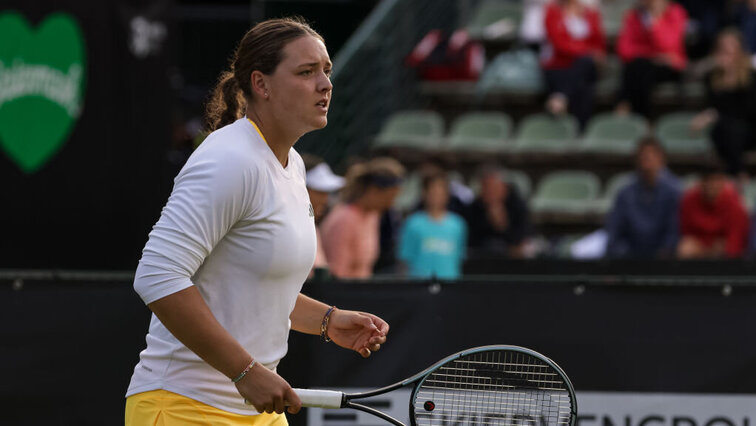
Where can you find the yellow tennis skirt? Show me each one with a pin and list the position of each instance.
(163, 408)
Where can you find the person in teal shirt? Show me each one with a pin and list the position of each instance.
(432, 241)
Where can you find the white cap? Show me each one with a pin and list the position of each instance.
(321, 178)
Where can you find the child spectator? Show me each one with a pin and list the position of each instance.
(643, 221)
(651, 45)
(731, 98)
(432, 241)
(713, 220)
(351, 231)
(498, 219)
(575, 48)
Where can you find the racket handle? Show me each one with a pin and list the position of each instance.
(320, 398)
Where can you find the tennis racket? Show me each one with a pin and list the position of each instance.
(487, 385)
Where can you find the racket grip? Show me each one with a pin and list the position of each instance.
(320, 398)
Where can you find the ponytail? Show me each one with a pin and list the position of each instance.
(226, 104)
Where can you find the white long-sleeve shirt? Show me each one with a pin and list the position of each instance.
(240, 227)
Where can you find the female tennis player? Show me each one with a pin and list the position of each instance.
(224, 265)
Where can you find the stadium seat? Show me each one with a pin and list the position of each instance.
(749, 195)
(541, 133)
(612, 13)
(611, 189)
(690, 180)
(421, 130)
(521, 181)
(518, 178)
(410, 193)
(568, 191)
(480, 132)
(614, 134)
(674, 133)
(516, 72)
(609, 80)
(495, 20)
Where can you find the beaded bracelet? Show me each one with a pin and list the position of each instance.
(324, 324)
(244, 373)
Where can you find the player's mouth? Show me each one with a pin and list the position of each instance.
(323, 105)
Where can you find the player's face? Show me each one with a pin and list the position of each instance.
(300, 87)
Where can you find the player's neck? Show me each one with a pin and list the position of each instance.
(279, 141)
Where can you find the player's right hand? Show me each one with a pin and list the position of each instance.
(268, 392)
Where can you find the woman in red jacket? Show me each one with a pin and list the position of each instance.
(652, 46)
(575, 47)
(713, 221)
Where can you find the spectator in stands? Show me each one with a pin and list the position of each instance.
(746, 21)
(731, 99)
(498, 219)
(713, 220)
(575, 47)
(433, 240)
(643, 221)
(460, 195)
(321, 183)
(651, 45)
(351, 230)
(705, 19)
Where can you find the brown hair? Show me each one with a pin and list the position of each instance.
(650, 142)
(261, 49)
(360, 176)
(743, 76)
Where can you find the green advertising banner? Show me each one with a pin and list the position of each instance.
(85, 128)
(42, 74)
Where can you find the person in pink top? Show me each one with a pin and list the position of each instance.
(651, 45)
(351, 231)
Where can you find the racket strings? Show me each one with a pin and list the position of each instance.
(496, 388)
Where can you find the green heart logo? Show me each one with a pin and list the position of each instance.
(42, 76)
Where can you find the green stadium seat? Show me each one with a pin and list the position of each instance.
(563, 245)
(516, 72)
(609, 80)
(690, 180)
(517, 178)
(613, 186)
(480, 132)
(612, 14)
(410, 193)
(542, 133)
(614, 134)
(495, 20)
(674, 133)
(566, 192)
(421, 130)
(749, 196)
(521, 181)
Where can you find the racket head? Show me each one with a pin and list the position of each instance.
(494, 385)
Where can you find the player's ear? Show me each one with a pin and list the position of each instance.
(259, 85)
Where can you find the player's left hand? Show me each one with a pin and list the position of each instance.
(359, 331)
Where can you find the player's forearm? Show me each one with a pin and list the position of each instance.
(186, 315)
(308, 315)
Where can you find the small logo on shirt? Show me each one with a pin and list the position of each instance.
(312, 211)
